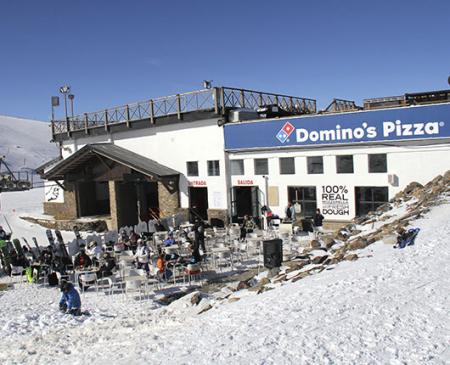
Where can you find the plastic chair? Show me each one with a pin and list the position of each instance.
(87, 279)
(16, 271)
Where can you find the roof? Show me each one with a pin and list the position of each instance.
(112, 152)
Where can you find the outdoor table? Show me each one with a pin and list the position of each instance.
(174, 265)
(171, 249)
(127, 258)
(216, 251)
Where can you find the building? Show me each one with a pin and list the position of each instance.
(221, 153)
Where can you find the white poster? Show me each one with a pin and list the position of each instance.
(53, 192)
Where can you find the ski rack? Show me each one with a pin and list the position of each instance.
(9, 181)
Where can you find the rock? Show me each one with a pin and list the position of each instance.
(329, 242)
(204, 308)
(242, 285)
(315, 244)
(357, 244)
(300, 276)
(232, 300)
(263, 281)
(411, 187)
(279, 278)
(384, 208)
(447, 177)
(351, 257)
(319, 259)
(196, 298)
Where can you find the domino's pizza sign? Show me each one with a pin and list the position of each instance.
(285, 132)
(401, 124)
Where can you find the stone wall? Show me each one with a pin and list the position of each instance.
(66, 210)
(169, 202)
(221, 214)
(113, 206)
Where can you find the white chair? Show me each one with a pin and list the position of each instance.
(16, 271)
(87, 279)
(104, 284)
(135, 286)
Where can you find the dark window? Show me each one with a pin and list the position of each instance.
(344, 164)
(369, 198)
(261, 166)
(213, 168)
(237, 167)
(287, 166)
(305, 196)
(192, 168)
(378, 162)
(315, 165)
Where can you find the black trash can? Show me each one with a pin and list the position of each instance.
(308, 224)
(273, 253)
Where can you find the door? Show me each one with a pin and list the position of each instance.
(198, 202)
(245, 201)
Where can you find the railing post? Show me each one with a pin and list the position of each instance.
(152, 112)
(86, 123)
(106, 119)
(242, 99)
(222, 99)
(178, 106)
(291, 101)
(216, 100)
(276, 100)
(127, 109)
(260, 99)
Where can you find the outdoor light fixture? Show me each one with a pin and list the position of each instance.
(207, 84)
(55, 102)
(65, 89)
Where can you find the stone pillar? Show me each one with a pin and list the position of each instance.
(169, 200)
(113, 205)
(66, 210)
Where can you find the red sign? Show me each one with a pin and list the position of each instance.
(245, 182)
(197, 183)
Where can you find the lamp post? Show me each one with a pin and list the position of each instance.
(71, 97)
(65, 90)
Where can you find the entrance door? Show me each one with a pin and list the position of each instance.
(245, 201)
(198, 202)
(305, 196)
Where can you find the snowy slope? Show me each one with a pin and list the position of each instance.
(389, 307)
(25, 143)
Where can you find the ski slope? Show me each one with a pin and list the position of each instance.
(388, 307)
(25, 143)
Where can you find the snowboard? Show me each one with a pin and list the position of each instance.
(51, 239)
(30, 249)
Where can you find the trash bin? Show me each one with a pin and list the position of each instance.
(273, 253)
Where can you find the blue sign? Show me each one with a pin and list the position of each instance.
(400, 124)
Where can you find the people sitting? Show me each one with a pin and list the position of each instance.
(163, 271)
(142, 255)
(70, 302)
(107, 266)
(248, 225)
(82, 260)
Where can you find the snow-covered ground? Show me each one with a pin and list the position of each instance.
(25, 143)
(388, 307)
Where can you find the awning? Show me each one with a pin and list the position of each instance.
(114, 153)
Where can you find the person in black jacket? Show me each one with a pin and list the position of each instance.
(318, 221)
(107, 267)
(82, 260)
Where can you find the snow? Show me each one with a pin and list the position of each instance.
(389, 307)
(25, 142)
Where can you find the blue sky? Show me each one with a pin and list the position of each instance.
(114, 52)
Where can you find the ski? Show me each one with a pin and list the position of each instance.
(18, 247)
(37, 245)
(30, 248)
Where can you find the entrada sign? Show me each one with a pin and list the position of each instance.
(420, 122)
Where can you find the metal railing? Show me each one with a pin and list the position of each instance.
(217, 99)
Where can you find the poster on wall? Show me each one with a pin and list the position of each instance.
(335, 200)
(53, 193)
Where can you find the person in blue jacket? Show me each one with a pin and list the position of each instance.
(70, 300)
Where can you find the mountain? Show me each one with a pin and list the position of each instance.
(25, 143)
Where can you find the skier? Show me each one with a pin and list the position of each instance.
(70, 302)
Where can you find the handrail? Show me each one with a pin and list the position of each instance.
(215, 99)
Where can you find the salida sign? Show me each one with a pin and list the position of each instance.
(335, 200)
(412, 123)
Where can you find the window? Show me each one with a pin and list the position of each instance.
(261, 166)
(213, 168)
(378, 162)
(315, 165)
(369, 198)
(287, 166)
(305, 196)
(192, 168)
(237, 167)
(344, 164)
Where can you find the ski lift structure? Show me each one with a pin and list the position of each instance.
(10, 181)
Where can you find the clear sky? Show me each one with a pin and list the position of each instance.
(113, 52)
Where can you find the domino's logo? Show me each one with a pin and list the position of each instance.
(285, 132)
